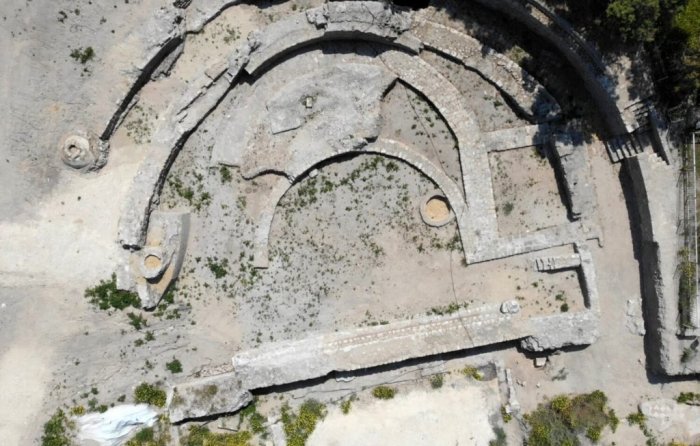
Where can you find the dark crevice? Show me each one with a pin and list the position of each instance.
(142, 80)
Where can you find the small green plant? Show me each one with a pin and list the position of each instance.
(83, 55)
(472, 372)
(299, 426)
(150, 394)
(345, 406)
(256, 421)
(150, 436)
(436, 381)
(136, 320)
(508, 208)
(564, 307)
(384, 392)
(501, 439)
(691, 398)
(505, 415)
(219, 269)
(57, 431)
(202, 436)
(226, 176)
(106, 295)
(174, 366)
(637, 418)
(562, 420)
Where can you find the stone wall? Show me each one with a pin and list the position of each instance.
(651, 180)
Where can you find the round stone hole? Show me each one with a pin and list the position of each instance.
(435, 210)
(153, 262)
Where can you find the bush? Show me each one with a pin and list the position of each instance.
(688, 398)
(472, 372)
(57, 430)
(298, 427)
(635, 19)
(564, 419)
(175, 366)
(384, 392)
(150, 436)
(106, 296)
(501, 439)
(436, 381)
(201, 436)
(150, 394)
(345, 406)
(83, 55)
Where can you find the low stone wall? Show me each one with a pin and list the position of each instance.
(651, 180)
(293, 361)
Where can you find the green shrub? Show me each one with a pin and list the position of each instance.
(501, 439)
(201, 436)
(298, 427)
(564, 419)
(472, 372)
(150, 436)
(83, 55)
(137, 320)
(384, 392)
(688, 398)
(57, 430)
(345, 406)
(150, 394)
(106, 296)
(636, 418)
(175, 366)
(635, 19)
(256, 421)
(505, 415)
(436, 381)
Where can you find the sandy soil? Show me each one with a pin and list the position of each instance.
(420, 417)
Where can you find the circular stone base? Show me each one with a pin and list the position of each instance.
(435, 209)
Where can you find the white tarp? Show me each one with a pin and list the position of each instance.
(114, 426)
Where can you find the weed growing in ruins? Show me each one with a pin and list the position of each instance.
(508, 208)
(384, 392)
(174, 366)
(472, 372)
(564, 418)
(57, 431)
(83, 55)
(219, 269)
(453, 307)
(346, 405)
(690, 398)
(226, 176)
(106, 296)
(150, 394)
(505, 415)
(299, 426)
(202, 436)
(256, 421)
(500, 439)
(137, 320)
(436, 381)
(640, 420)
(150, 436)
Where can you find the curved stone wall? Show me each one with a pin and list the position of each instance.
(386, 147)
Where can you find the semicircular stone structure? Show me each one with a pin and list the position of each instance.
(289, 103)
(370, 21)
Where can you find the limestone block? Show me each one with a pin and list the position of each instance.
(215, 395)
